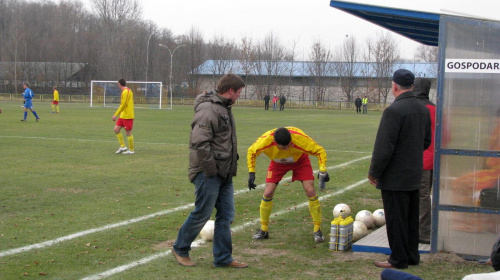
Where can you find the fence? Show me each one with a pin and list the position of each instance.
(308, 104)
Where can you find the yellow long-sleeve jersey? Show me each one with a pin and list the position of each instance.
(56, 95)
(301, 143)
(126, 109)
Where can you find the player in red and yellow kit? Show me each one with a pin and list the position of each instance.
(126, 119)
(289, 149)
(55, 101)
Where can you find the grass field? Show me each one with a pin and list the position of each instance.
(70, 208)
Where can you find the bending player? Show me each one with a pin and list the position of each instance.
(289, 149)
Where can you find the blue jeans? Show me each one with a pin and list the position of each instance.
(211, 192)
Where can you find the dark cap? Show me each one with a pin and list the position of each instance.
(403, 77)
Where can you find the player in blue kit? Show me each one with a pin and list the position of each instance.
(28, 104)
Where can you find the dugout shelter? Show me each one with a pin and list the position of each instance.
(466, 180)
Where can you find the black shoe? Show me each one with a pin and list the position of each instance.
(318, 236)
(261, 234)
(423, 241)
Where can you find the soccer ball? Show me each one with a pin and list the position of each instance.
(359, 230)
(379, 217)
(207, 232)
(366, 217)
(341, 209)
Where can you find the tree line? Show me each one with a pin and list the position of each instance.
(112, 41)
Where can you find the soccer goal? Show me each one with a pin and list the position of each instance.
(146, 94)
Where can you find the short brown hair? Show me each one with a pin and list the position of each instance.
(229, 81)
(122, 82)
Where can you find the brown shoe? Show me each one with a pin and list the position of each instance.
(383, 264)
(184, 261)
(236, 264)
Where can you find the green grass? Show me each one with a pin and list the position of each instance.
(60, 176)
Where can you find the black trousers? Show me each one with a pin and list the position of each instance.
(402, 220)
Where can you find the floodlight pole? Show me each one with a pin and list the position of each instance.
(147, 61)
(171, 63)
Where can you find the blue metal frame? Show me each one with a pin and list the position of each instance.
(419, 26)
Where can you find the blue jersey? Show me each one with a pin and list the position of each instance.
(28, 94)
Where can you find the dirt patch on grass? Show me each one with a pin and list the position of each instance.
(165, 245)
(266, 252)
(67, 190)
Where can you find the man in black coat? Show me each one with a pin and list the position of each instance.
(266, 101)
(282, 102)
(396, 168)
(357, 102)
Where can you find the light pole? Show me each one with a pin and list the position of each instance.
(147, 61)
(171, 62)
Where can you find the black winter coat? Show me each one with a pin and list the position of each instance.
(404, 133)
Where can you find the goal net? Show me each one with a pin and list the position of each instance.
(146, 94)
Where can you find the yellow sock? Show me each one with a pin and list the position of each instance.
(315, 210)
(119, 136)
(52, 107)
(130, 140)
(57, 107)
(266, 205)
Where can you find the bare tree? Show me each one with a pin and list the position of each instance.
(196, 56)
(290, 57)
(247, 61)
(271, 70)
(426, 53)
(222, 51)
(115, 18)
(384, 52)
(321, 67)
(348, 67)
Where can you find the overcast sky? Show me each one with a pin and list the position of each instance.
(299, 21)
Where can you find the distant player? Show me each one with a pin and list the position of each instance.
(55, 101)
(28, 104)
(289, 149)
(126, 119)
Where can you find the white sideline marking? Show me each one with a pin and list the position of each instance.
(128, 222)
(198, 242)
(85, 140)
(90, 231)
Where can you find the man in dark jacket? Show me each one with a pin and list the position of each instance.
(357, 102)
(212, 166)
(282, 103)
(266, 101)
(421, 91)
(396, 168)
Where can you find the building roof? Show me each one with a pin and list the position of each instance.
(422, 27)
(302, 68)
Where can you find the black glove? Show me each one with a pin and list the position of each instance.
(251, 180)
(324, 176)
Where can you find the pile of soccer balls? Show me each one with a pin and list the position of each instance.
(364, 219)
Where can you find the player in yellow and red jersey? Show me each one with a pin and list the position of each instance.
(126, 119)
(289, 149)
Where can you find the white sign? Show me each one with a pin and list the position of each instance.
(491, 66)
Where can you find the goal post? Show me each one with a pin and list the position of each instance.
(146, 94)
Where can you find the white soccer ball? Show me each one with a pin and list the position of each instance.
(359, 230)
(366, 217)
(207, 232)
(379, 217)
(343, 209)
